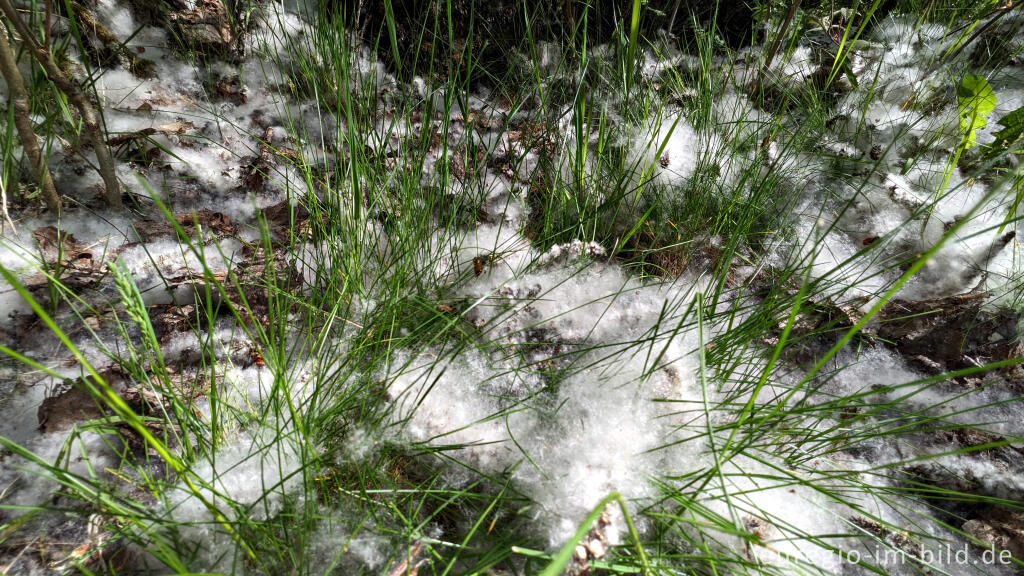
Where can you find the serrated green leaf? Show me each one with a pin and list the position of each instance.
(1012, 134)
(1013, 126)
(1013, 119)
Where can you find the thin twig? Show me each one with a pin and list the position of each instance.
(672, 19)
(775, 45)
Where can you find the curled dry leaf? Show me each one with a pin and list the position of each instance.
(70, 403)
(205, 27)
(999, 529)
(952, 333)
(284, 217)
(72, 263)
(178, 127)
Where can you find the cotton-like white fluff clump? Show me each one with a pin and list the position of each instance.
(994, 477)
(902, 216)
(225, 340)
(830, 255)
(953, 270)
(683, 149)
(23, 392)
(340, 545)
(869, 368)
(504, 202)
(214, 135)
(281, 31)
(278, 27)
(978, 247)
(612, 431)
(663, 57)
(568, 298)
(909, 38)
(556, 300)
(670, 152)
(737, 116)
(880, 128)
(881, 117)
(500, 245)
(576, 248)
(781, 512)
(247, 479)
(571, 298)
(19, 252)
(882, 209)
(370, 73)
(256, 471)
(797, 68)
(547, 57)
(458, 402)
(172, 90)
(23, 264)
(803, 172)
(1004, 271)
(612, 420)
(247, 389)
(153, 263)
(86, 455)
(608, 425)
(116, 17)
(244, 385)
(879, 367)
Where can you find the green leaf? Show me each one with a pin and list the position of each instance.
(976, 100)
(975, 91)
(1011, 137)
(1013, 128)
(848, 70)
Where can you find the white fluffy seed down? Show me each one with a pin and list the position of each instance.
(609, 426)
